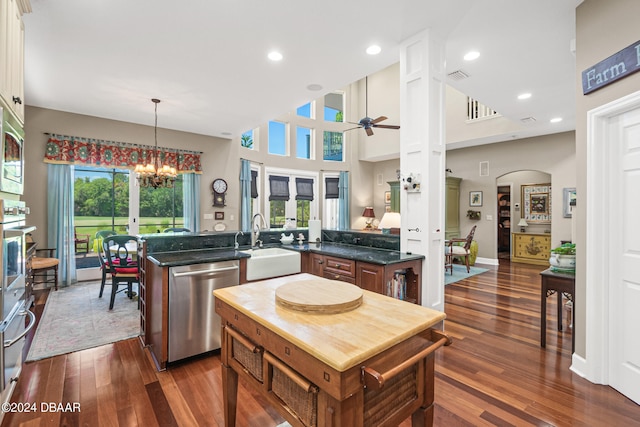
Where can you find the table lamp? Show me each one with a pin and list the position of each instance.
(368, 213)
(390, 223)
(522, 224)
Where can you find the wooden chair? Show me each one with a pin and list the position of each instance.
(41, 266)
(102, 257)
(456, 251)
(120, 260)
(81, 240)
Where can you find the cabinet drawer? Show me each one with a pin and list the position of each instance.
(344, 267)
(337, 276)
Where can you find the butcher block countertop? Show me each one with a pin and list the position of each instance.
(341, 340)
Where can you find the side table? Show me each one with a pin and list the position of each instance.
(558, 283)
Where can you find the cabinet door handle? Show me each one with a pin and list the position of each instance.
(320, 262)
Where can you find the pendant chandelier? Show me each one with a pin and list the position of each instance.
(154, 174)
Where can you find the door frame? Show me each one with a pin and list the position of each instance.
(599, 229)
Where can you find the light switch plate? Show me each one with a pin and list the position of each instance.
(208, 216)
(489, 217)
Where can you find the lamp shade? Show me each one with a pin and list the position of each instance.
(368, 212)
(390, 220)
(522, 223)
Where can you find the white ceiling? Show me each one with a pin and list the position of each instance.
(207, 60)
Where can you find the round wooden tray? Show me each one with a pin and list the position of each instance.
(319, 297)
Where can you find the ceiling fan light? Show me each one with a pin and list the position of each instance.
(275, 56)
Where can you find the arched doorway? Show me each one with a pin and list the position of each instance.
(511, 208)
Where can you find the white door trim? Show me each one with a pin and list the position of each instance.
(595, 365)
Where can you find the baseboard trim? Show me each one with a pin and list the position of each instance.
(487, 261)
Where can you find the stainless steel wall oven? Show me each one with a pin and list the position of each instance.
(16, 317)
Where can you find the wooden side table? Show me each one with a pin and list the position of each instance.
(558, 283)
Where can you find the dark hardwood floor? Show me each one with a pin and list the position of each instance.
(495, 373)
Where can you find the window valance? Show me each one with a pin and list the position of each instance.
(304, 189)
(279, 186)
(95, 152)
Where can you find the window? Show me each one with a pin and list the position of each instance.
(246, 140)
(304, 196)
(100, 200)
(331, 193)
(161, 208)
(277, 138)
(334, 107)
(283, 208)
(303, 143)
(332, 146)
(478, 111)
(305, 111)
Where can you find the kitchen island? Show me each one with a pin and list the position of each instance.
(372, 365)
(368, 267)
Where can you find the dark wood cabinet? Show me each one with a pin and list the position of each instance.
(372, 277)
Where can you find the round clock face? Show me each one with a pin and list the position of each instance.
(219, 186)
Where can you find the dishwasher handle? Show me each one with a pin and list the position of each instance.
(204, 272)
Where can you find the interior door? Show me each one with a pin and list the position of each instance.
(624, 297)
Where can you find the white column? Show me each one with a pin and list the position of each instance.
(422, 158)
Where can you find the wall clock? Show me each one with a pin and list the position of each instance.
(219, 187)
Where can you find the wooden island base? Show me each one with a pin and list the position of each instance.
(359, 368)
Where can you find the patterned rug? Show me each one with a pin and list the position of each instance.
(74, 319)
(460, 272)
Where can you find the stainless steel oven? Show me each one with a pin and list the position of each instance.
(16, 319)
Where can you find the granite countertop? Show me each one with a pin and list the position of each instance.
(354, 252)
(199, 256)
(358, 253)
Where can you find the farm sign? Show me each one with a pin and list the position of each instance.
(615, 67)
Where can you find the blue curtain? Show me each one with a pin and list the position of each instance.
(191, 201)
(344, 219)
(60, 220)
(245, 195)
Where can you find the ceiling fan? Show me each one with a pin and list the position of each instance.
(367, 123)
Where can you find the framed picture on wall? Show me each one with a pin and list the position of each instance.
(219, 215)
(387, 197)
(475, 198)
(536, 203)
(568, 200)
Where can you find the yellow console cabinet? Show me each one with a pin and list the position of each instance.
(531, 248)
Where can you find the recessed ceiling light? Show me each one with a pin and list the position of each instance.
(556, 120)
(524, 96)
(374, 49)
(470, 56)
(275, 56)
(314, 87)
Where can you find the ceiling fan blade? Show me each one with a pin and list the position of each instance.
(387, 126)
(379, 119)
(369, 131)
(346, 130)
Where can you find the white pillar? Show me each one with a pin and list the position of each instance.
(422, 158)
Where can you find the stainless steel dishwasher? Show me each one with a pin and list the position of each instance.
(194, 326)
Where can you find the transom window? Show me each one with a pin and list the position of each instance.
(277, 138)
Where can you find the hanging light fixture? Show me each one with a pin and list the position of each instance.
(154, 174)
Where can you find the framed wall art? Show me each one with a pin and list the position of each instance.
(475, 198)
(568, 200)
(219, 215)
(536, 203)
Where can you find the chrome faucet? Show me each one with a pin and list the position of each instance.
(235, 239)
(256, 229)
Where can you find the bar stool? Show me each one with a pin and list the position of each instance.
(41, 266)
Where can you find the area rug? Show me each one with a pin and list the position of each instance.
(460, 272)
(74, 319)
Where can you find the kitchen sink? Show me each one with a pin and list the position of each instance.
(271, 262)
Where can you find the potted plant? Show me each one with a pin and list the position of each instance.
(563, 258)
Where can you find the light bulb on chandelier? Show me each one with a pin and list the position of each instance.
(154, 174)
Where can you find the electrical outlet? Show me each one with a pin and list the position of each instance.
(489, 217)
(208, 216)
(232, 217)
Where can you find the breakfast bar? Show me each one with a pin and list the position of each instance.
(368, 364)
